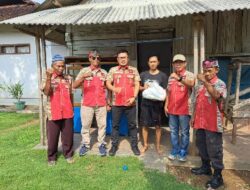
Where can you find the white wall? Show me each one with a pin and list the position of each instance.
(23, 68)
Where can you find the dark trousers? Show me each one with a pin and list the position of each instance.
(130, 113)
(210, 148)
(65, 126)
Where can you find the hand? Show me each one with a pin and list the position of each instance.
(175, 76)
(49, 72)
(108, 107)
(201, 78)
(86, 75)
(130, 101)
(146, 86)
(117, 90)
(191, 123)
(166, 109)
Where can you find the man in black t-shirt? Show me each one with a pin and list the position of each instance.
(151, 110)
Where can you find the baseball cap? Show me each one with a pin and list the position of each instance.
(179, 57)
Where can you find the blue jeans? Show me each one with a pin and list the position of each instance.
(176, 123)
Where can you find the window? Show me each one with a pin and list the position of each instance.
(15, 49)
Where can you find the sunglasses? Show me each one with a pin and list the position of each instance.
(96, 58)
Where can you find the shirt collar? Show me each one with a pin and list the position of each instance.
(94, 68)
(182, 73)
(55, 75)
(123, 67)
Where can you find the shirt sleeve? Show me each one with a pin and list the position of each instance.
(221, 88)
(80, 74)
(110, 75)
(137, 76)
(142, 79)
(190, 76)
(164, 80)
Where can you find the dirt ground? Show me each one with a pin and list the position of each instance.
(233, 180)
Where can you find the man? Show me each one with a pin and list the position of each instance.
(92, 79)
(124, 81)
(152, 109)
(207, 119)
(177, 106)
(58, 88)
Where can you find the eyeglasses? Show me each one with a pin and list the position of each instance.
(96, 58)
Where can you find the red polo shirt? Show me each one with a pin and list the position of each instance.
(59, 105)
(207, 114)
(124, 78)
(179, 95)
(94, 89)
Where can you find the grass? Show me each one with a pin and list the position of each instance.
(22, 167)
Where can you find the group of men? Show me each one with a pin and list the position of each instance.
(189, 101)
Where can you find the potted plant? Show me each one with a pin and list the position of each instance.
(16, 91)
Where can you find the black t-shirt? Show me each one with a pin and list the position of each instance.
(161, 78)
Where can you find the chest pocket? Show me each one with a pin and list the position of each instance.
(130, 78)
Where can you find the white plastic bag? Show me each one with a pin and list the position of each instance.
(154, 92)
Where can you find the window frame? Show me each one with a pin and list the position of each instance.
(16, 46)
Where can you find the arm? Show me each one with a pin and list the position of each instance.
(166, 104)
(80, 78)
(211, 90)
(187, 82)
(47, 88)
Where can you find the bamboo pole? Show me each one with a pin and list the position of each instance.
(202, 42)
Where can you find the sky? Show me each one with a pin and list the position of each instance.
(39, 1)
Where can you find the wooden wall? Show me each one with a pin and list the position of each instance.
(226, 34)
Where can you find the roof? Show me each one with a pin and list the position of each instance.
(115, 11)
(15, 8)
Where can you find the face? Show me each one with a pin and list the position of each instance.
(210, 73)
(179, 65)
(58, 66)
(122, 59)
(153, 63)
(95, 61)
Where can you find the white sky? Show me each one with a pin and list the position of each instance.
(39, 1)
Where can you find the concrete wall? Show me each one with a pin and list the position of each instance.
(22, 67)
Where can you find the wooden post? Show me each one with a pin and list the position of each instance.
(229, 85)
(237, 97)
(202, 42)
(39, 76)
(44, 68)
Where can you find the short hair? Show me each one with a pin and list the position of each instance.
(122, 51)
(154, 56)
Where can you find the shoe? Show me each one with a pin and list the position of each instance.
(70, 160)
(102, 150)
(113, 150)
(182, 158)
(172, 157)
(215, 182)
(83, 151)
(201, 171)
(136, 150)
(52, 163)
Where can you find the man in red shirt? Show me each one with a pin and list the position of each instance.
(207, 119)
(58, 88)
(179, 88)
(124, 81)
(93, 79)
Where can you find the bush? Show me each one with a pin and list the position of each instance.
(15, 90)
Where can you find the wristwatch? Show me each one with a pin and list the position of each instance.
(180, 79)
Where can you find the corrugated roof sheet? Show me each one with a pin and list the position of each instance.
(114, 11)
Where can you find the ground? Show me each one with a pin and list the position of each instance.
(23, 167)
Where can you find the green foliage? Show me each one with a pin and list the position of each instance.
(15, 90)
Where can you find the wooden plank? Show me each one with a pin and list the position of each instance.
(238, 84)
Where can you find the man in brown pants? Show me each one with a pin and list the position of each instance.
(58, 89)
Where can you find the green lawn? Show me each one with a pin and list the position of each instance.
(22, 167)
